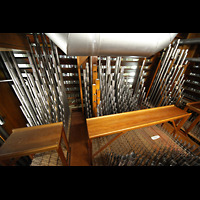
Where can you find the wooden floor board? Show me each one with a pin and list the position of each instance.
(78, 140)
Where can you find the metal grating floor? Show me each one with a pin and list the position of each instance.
(133, 141)
(51, 158)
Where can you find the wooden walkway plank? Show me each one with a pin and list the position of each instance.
(78, 140)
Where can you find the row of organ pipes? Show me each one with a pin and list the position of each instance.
(43, 99)
(110, 93)
(41, 93)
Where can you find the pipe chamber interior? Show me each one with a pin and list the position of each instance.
(111, 44)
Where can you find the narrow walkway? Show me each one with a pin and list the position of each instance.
(78, 140)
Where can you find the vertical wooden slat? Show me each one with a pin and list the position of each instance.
(80, 60)
(153, 78)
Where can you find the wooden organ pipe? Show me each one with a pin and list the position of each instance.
(94, 100)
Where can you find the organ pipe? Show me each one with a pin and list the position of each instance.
(42, 94)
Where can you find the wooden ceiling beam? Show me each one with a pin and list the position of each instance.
(13, 42)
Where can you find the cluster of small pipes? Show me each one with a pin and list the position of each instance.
(41, 94)
(111, 94)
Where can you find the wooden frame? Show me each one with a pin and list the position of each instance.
(35, 139)
(123, 122)
(195, 106)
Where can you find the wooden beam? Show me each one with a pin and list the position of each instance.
(158, 67)
(13, 41)
(80, 60)
(112, 140)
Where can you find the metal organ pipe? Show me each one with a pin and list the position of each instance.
(188, 41)
(167, 87)
(42, 94)
(109, 44)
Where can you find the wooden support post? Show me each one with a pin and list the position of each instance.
(80, 87)
(12, 163)
(65, 140)
(62, 157)
(90, 151)
(193, 124)
(180, 124)
(185, 109)
(153, 78)
(80, 60)
(175, 128)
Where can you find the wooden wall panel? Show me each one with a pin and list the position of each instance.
(9, 107)
(13, 41)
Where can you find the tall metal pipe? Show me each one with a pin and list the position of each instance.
(189, 41)
(193, 59)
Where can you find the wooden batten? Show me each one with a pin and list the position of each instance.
(13, 42)
(80, 61)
